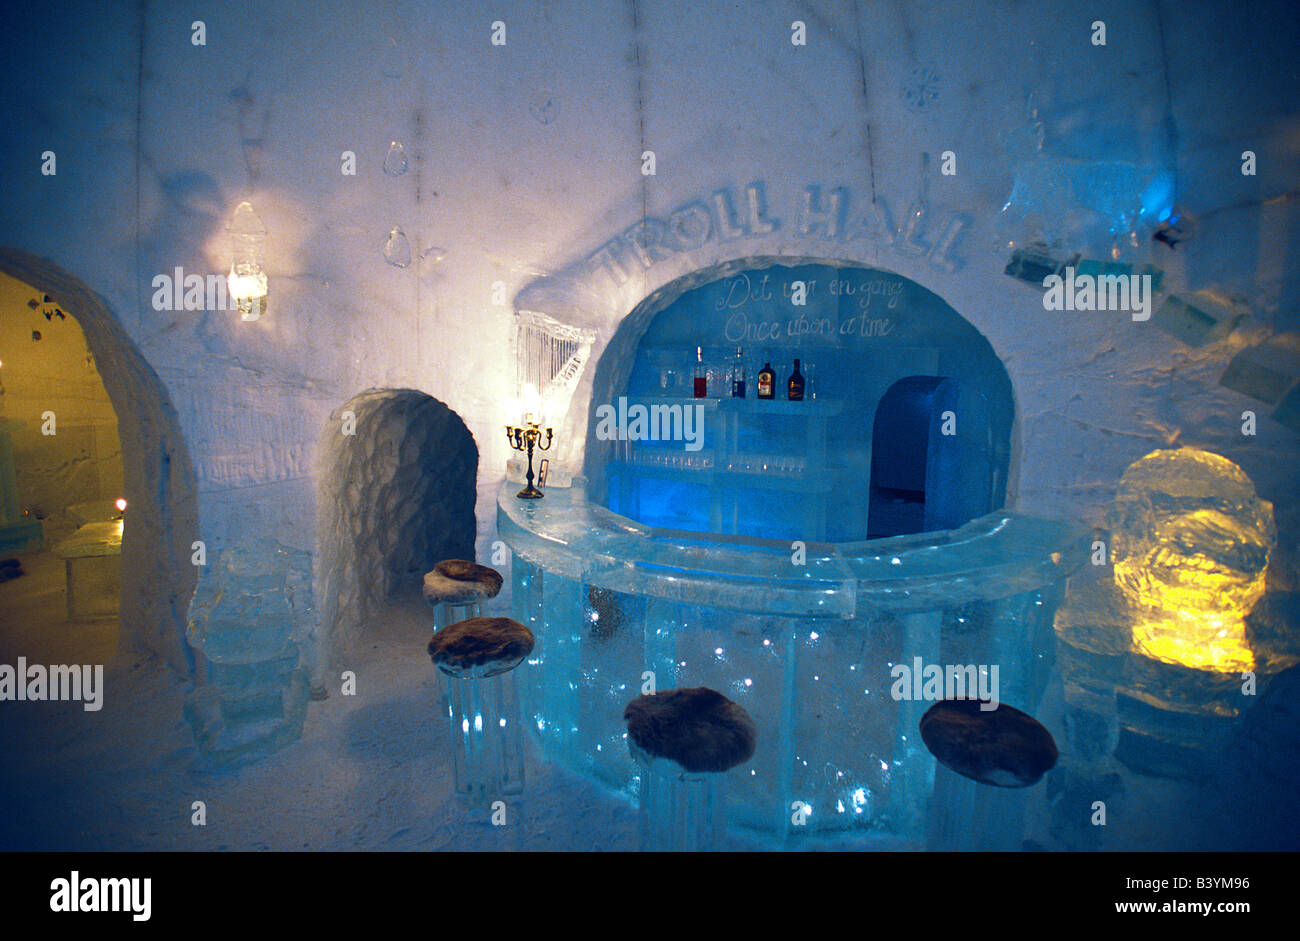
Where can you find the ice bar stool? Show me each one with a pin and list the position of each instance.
(685, 740)
(478, 656)
(456, 590)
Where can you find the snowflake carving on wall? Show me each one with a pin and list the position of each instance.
(543, 107)
(920, 90)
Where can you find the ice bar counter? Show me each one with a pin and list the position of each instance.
(802, 535)
(805, 648)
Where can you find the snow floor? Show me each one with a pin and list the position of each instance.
(371, 772)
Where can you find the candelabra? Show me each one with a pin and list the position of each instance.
(528, 439)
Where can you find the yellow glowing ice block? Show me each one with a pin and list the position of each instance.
(1191, 546)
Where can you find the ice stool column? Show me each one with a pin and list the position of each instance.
(998, 747)
(456, 590)
(685, 741)
(478, 656)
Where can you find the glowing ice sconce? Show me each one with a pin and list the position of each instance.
(247, 281)
(1191, 547)
(121, 505)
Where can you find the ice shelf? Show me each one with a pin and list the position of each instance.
(804, 642)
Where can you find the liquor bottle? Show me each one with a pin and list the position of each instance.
(794, 388)
(766, 381)
(701, 377)
(738, 377)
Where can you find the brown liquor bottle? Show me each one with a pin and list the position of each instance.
(766, 382)
(794, 388)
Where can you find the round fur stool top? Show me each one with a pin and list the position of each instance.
(1001, 746)
(685, 739)
(458, 582)
(480, 646)
(699, 729)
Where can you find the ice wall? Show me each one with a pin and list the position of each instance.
(523, 178)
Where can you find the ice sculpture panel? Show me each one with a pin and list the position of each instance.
(250, 614)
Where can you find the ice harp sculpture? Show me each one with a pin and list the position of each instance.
(397, 250)
(247, 280)
(395, 159)
(551, 357)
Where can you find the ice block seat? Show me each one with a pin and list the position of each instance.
(805, 638)
(685, 740)
(92, 541)
(478, 657)
(699, 729)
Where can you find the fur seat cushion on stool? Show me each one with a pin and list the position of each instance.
(457, 581)
(698, 728)
(484, 646)
(1003, 746)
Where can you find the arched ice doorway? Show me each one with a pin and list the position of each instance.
(397, 496)
(930, 470)
(157, 579)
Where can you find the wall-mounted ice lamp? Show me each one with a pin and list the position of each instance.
(247, 281)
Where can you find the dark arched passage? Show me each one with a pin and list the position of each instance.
(397, 495)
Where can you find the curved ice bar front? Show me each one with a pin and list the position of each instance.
(803, 640)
